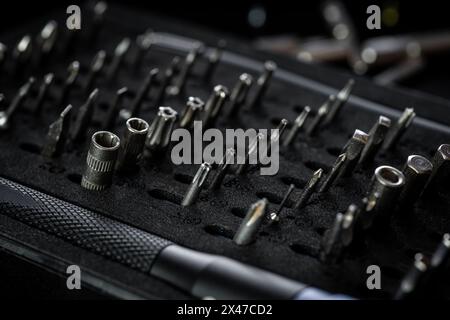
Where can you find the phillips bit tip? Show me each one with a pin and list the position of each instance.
(196, 184)
(332, 175)
(309, 189)
(249, 227)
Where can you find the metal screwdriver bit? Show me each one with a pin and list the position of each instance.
(180, 82)
(115, 108)
(417, 171)
(73, 72)
(251, 157)
(3, 54)
(222, 170)
(100, 161)
(376, 138)
(413, 278)
(275, 216)
(43, 92)
(386, 186)
(441, 255)
(341, 99)
(309, 189)
(213, 59)
(97, 65)
(5, 116)
(297, 126)
(143, 92)
(196, 185)
(143, 44)
(57, 134)
(161, 129)
(194, 106)
(46, 41)
(276, 135)
(167, 80)
(332, 175)
(249, 227)
(441, 169)
(262, 84)
(22, 53)
(352, 151)
(331, 246)
(119, 56)
(320, 116)
(97, 21)
(84, 117)
(399, 128)
(214, 105)
(133, 143)
(239, 93)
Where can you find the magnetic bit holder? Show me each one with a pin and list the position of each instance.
(100, 161)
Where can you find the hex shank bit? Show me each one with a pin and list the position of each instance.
(417, 171)
(376, 137)
(143, 92)
(441, 169)
(214, 105)
(296, 126)
(262, 84)
(309, 189)
(196, 185)
(57, 134)
(239, 93)
(249, 227)
(161, 129)
(84, 117)
(193, 108)
(222, 170)
(352, 151)
(333, 174)
(399, 128)
(341, 98)
(320, 116)
(180, 82)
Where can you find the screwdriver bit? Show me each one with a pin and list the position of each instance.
(239, 93)
(376, 137)
(73, 72)
(276, 135)
(57, 134)
(214, 105)
(3, 54)
(352, 151)
(262, 84)
(161, 129)
(194, 107)
(22, 53)
(251, 157)
(386, 186)
(115, 108)
(97, 65)
(297, 126)
(98, 11)
(143, 44)
(84, 117)
(399, 128)
(413, 278)
(100, 161)
(180, 82)
(441, 169)
(43, 92)
(333, 174)
(275, 216)
(341, 99)
(213, 59)
(132, 145)
(222, 170)
(46, 41)
(320, 116)
(417, 171)
(253, 220)
(21, 96)
(143, 92)
(331, 246)
(118, 58)
(309, 189)
(196, 185)
(167, 80)
(439, 259)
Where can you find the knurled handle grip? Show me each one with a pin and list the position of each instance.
(86, 229)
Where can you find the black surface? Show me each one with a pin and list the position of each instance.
(150, 198)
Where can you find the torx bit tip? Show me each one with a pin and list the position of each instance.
(194, 106)
(249, 227)
(196, 185)
(161, 129)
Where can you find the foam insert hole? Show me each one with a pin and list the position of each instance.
(220, 231)
(183, 178)
(165, 195)
(74, 177)
(271, 197)
(239, 212)
(30, 147)
(303, 249)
